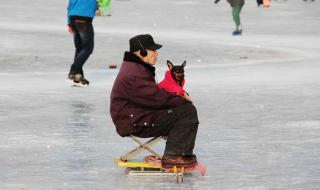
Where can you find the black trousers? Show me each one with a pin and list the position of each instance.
(180, 125)
(83, 35)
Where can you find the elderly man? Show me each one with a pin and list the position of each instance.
(138, 107)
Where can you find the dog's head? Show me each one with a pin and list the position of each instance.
(177, 71)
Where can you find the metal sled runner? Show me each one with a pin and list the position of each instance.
(151, 165)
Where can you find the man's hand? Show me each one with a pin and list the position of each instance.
(216, 1)
(187, 97)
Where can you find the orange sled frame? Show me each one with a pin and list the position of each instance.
(143, 168)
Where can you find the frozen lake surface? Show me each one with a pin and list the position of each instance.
(258, 95)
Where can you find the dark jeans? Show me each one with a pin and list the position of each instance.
(83, 35)
(180, 125)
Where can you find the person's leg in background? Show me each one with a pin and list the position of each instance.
(84, 43)
(259, 2)
(236, 18)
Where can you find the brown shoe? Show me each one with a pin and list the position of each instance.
(192, 158)
(169, 161)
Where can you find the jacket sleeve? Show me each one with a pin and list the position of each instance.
(147, 93)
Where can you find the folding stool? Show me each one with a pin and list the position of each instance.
(142, 146)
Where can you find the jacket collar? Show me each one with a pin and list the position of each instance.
(130, 57)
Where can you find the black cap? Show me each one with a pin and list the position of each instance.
(143, 41)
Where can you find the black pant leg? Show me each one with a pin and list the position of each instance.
(84, 43)
(180, 125)
(182, 135)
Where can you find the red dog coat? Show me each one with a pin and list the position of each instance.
(170, 85)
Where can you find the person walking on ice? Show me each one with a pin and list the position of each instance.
(236, 6)
(80, 16)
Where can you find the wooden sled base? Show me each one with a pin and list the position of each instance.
(140, 168)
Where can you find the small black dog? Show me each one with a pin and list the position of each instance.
(174, 79)
(177, 71)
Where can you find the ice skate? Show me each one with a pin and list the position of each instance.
(237, 32)
(78, 80)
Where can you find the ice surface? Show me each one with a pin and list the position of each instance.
(257, 95)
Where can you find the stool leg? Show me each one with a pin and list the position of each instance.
(139, 149)
(146, 146)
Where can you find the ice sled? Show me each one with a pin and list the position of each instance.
(151, 165)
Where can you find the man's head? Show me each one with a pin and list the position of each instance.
(145, 48)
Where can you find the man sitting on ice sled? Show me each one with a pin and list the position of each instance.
(138, 107)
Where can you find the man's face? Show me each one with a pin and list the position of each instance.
(151, 58)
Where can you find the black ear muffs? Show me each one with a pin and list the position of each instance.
(143, 52)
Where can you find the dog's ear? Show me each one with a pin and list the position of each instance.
(184, 64)
(170, 65)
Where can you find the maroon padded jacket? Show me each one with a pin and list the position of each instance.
(136, 101)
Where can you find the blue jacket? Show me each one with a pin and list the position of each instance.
(84, 8)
